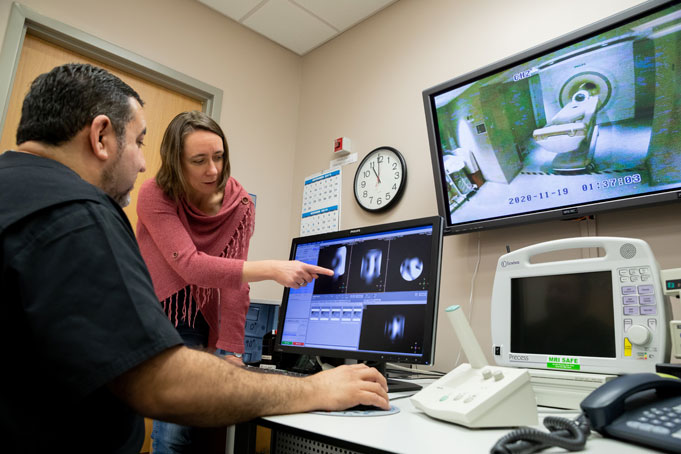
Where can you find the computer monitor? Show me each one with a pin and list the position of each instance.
(381, 304)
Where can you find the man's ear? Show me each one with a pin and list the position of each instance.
(102, 137)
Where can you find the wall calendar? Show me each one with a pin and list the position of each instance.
(321, 203)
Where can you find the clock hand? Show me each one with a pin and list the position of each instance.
(377, 177)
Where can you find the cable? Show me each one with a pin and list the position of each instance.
(403, 376)
(323, 366)
(563, 433)
(400, 397)
(475, 273)
(559, 411)
(470, 297)
(414, 371)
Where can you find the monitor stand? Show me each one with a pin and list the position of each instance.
(394, 386)
(398, 386)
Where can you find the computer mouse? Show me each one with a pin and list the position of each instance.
(362, 407)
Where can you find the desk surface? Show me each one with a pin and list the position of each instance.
(413, 432)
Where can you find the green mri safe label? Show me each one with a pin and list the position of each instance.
(563, 362)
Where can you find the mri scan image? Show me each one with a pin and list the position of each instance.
(411, 268)
(338, 262)
(371, 266)
(394, 328)
(335, 257)
(408, 264)
(368, 261)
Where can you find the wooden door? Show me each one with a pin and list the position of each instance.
(160, 104)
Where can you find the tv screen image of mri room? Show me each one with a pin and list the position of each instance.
(590, 121)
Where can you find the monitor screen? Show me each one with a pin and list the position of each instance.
(583, 124)
(381, 303)
(547, 311)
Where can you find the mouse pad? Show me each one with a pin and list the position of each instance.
(393, 410)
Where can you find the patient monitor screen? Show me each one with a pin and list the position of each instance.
(590, 122)
(568, 314)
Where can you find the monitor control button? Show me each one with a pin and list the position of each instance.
(638, 335)
(627, 324)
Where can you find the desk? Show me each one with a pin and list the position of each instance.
(408, 432)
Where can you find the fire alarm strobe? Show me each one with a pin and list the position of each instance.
(341, 146)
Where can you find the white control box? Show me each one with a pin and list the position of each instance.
(478, 395)
(487, 397)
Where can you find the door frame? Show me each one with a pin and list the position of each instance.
(23, 20)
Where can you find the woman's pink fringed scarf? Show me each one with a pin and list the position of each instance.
(227, 234)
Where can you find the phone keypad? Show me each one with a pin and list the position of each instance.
(659, 420)
(651, 418)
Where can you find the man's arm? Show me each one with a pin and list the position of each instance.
(190, 387)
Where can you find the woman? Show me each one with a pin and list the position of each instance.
(194, 226)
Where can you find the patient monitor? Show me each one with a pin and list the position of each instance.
(601, 315)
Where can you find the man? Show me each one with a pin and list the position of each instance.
(87, 346)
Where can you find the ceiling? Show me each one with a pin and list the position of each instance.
(298, 25)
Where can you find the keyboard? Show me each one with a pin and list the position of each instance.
(263, 370)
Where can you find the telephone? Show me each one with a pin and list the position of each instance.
(643, 408)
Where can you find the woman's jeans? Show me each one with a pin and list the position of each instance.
(169, 438)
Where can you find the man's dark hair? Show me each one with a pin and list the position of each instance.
(63, 101)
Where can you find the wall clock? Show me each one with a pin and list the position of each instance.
(380, 179)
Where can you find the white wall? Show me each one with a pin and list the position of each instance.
(260, 81)
(367, 84)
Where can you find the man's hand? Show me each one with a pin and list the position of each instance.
(346, 386)
(197, 388)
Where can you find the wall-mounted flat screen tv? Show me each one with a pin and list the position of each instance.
(583, 124)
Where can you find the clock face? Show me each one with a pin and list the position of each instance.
(380, 179)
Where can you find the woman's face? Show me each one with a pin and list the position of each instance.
(202, 161)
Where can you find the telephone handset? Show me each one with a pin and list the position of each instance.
(643, 408)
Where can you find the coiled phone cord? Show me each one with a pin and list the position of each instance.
(563, 433)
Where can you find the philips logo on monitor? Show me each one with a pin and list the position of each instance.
(505, 263)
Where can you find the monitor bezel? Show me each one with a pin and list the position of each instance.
(428, 356)
(566, 212)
